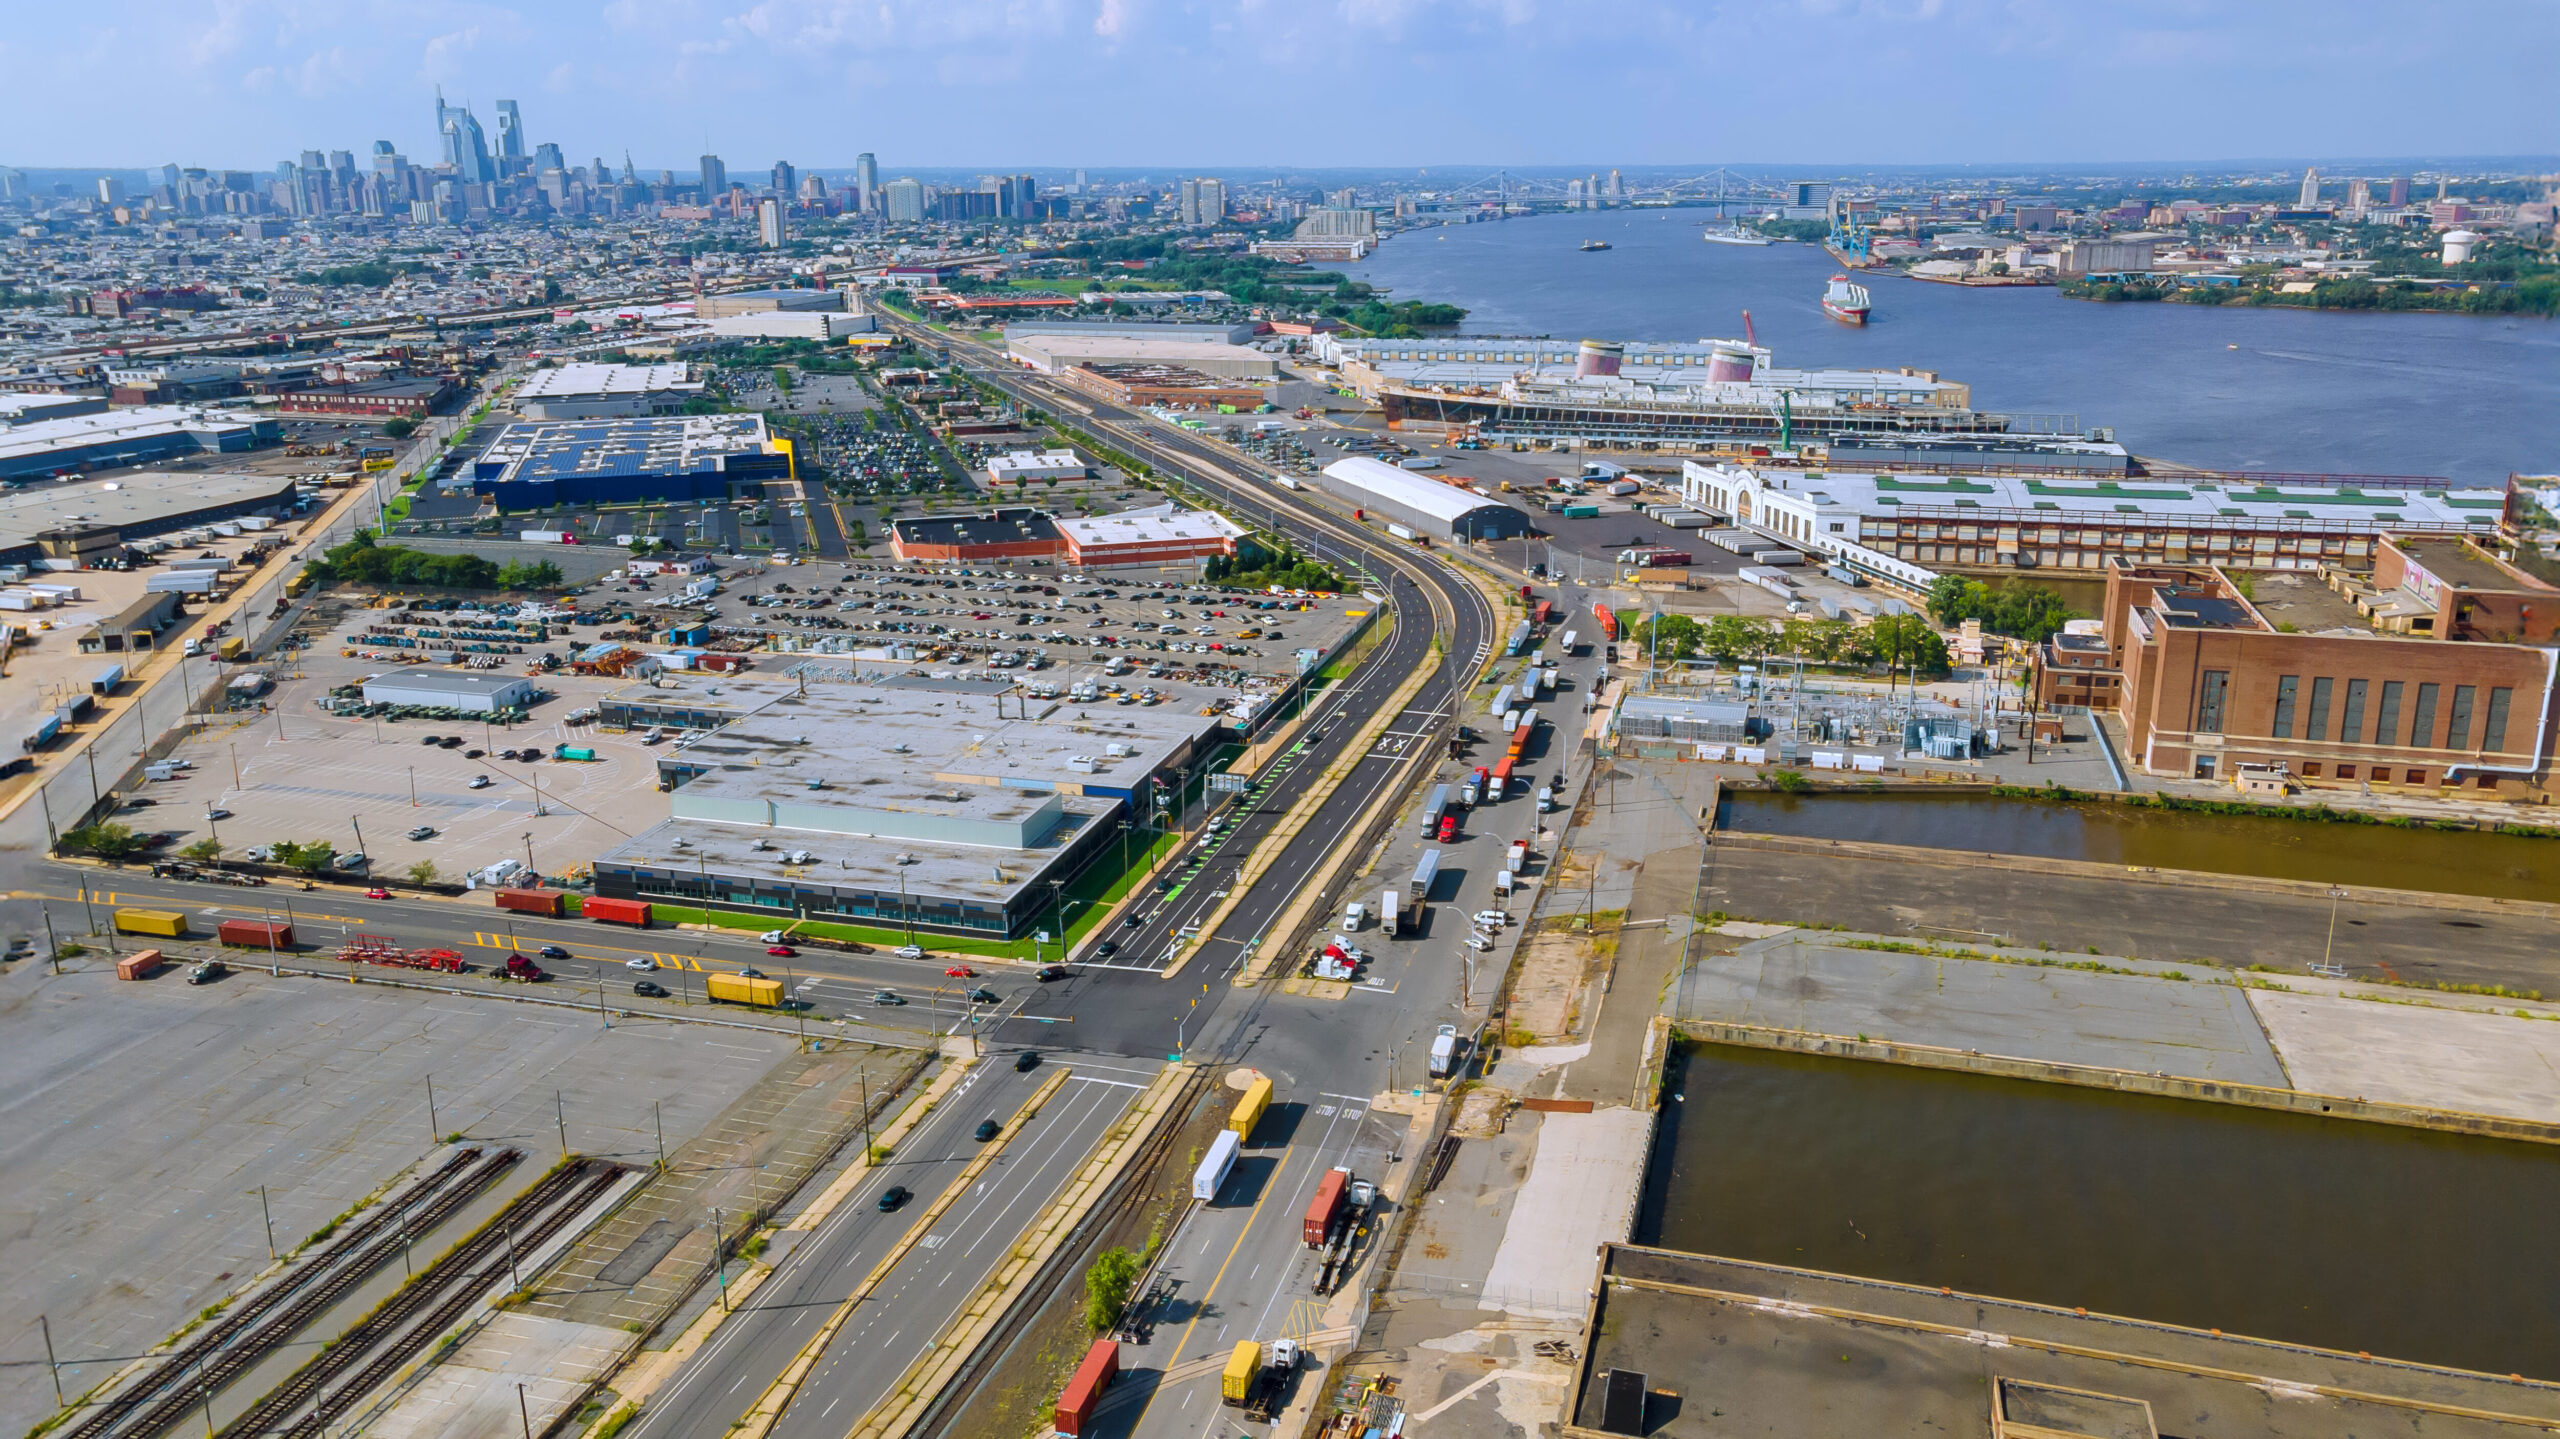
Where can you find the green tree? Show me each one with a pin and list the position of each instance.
(1107, 1288)
(1735, 637)
(1907, 645)
(424, 872)
(106, 839)
(314, 858)
(399, 428)
(203, 851)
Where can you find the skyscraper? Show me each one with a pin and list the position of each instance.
(547, 156)
(2310, 187)
(510, 131)
(866, 181)
(2399, 191)
(1079, 185)
(769, 221)
(785, 179)
(715, 178)
(1203, 201)
(903, 200)
(466, 148)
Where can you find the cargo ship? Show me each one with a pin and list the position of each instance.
(1595, 244)
(1733, 235)
(1846, 301)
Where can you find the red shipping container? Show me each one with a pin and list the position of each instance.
(530, 901)
(1076, 1404)
(255, 933)
(141, 964)
(1327, 1203)
(616, 911)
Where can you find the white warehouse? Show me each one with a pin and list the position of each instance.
(1428, 507)
(449, 689)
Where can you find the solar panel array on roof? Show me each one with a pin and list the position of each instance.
(538, 463)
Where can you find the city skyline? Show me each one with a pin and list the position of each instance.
(807, 80)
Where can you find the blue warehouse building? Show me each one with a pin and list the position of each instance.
(637, 460)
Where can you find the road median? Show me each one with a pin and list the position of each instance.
(777, 1396)
(922, 1386)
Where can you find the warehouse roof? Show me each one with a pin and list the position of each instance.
(80, 431)
(584, 379)
(1149, 529)
(143, 503)
(1055, 351)
(1442, 502)
(1004, 527)
(634, 445)
(451, 682)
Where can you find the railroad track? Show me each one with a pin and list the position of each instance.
(239, 1340)
(374, 1349)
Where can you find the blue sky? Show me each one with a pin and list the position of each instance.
(1192, 83)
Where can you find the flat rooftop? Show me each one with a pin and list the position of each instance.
(2187, 607)
(1004, 527)
(2071, 500)
(1730, 1347)
(2303, 599)
(2461, 564)
(587, 379)
(636, 445)
(136, 503)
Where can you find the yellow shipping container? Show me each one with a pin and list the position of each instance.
(166, 923)
(1243, 1367)
(739, 989)
(233, 648)
(1257, 1098)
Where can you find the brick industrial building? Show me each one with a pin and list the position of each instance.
(2433, 672)
(1143, 537)
(1170, 387)
(411, 399)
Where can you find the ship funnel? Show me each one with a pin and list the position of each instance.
(1598, 357)
(1729, 364)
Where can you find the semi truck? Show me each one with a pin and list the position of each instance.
(1325, 1208)
(1419, 887)
(1084, 1390)
(1353, 914)
(743, 989)
(1253, 1385)
(1444, 1052)
(1433, 807)
(1390, 912)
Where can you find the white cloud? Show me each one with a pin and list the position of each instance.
(1113, 15)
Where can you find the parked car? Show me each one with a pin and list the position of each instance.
(1492, 918)
(429, 739)
(649, 989)
(217, 813)
(353, 859)
(207, 972)
(771, 936)
(424, 831)
(478, 781)
(1478, 942)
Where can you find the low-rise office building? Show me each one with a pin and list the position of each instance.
(1903, 528)
(1008, 534)
(1018, 467)
(1148, 537)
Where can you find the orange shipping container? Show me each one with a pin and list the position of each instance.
(141, 964)
(616, 911)
(1075, 1406)
(530, 901)
(255, 933)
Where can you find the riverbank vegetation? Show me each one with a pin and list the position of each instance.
(2537, 296)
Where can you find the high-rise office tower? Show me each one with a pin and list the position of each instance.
(813, 188)
(311, 160)
(2399, 191)
(715, 178)
(2359, 195)
(110, 189)
(510, 131)
(2310, 187)
(786, 179)
(903, 200)
(466, 147)
(1079, 185)
(547, 156)
(866, 181)
(769, 222)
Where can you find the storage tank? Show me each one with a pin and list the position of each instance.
(1598, 358)
(2458, 245)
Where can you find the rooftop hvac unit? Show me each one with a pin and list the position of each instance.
(906, 859)
(1116, 751)
(798, 856)
(764, 844)
(680, 842)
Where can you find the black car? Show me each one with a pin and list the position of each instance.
(1026, 1061)
(744, 973)
(553, 951)
(983, 995)
(894, 1196)
(1133, 921)
(988, 1129)
(649, 989)
(1049, 972)
(429, 739)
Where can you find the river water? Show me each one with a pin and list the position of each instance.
(2503, 866)
(2405, 1243)
(2472, 398)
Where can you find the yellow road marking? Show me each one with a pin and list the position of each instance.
(1252, 1216)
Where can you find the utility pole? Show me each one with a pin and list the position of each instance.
(435, 1136)
(658, 1117)
(561, 1108)
(51, 1363)
(270, 1216)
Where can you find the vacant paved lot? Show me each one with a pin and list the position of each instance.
(137, 1122)
(2233, 927)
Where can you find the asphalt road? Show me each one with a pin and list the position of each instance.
(930, 1283)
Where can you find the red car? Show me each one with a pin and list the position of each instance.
(377, 894)
(961, 971)
(783, 950)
